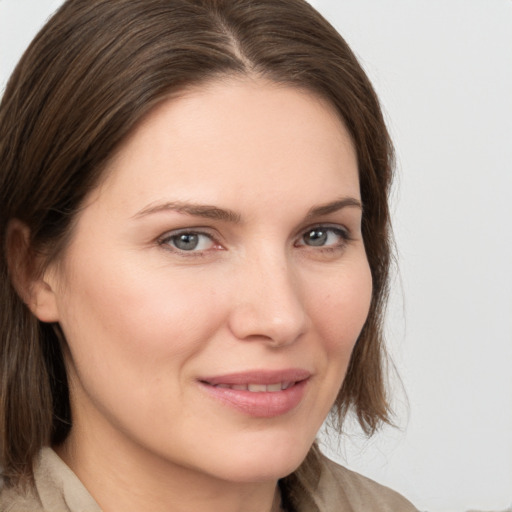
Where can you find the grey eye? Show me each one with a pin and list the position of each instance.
(316, 237)
(190, 241)
(324, 236)
(186, 241)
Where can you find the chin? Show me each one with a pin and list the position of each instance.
(258, 463)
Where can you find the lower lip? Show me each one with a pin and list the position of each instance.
(260, 404)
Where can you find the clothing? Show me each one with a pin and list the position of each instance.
(58, 489)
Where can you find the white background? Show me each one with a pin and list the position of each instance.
(443, 70)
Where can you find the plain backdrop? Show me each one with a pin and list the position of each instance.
(443, 70)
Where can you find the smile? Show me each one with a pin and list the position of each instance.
(261, 394)
(258, 388)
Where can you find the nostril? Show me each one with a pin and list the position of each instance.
(269, 307)
(266, 324)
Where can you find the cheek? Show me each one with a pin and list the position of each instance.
(341, 311)
(338, 311)
(131, 335)
(123, 320)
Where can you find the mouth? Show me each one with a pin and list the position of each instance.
(258, 388)
(263, 394)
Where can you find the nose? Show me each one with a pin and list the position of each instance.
(267, 303)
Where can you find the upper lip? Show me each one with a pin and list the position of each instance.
(259, 377)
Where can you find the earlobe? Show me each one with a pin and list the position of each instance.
(31, 284)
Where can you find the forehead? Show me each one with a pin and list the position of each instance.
(238, 132)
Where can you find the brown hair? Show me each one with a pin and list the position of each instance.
(87, 78)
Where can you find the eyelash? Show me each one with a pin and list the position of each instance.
(343, 234)
(167, 239)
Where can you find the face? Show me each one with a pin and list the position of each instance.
(216, 283)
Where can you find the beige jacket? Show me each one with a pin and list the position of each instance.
(337, 490)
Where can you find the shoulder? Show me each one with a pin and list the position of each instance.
(339, 485)
(14, 499)
(56, 489)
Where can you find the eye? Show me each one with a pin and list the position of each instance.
(324, 236)
(188, 241)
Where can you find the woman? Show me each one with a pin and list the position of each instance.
(195, 253)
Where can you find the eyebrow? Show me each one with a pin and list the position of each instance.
(334, 206)
(197, 210)
(226, 215)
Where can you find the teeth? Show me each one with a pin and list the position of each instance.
(258, 388)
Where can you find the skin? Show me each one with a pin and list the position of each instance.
(145, 320)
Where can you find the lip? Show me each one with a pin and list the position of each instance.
(262, 404)
(265, 377)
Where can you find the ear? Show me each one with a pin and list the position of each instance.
(33, 286)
